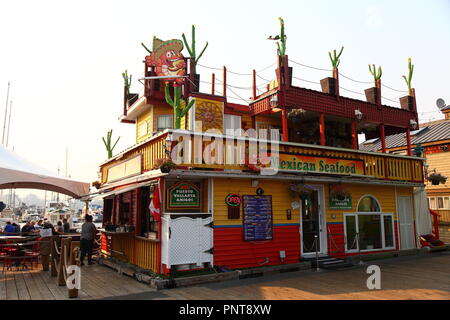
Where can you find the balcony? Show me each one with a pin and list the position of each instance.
(292, 158)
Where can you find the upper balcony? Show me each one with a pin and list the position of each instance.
(233, 155)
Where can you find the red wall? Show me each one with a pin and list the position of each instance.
(231, 251)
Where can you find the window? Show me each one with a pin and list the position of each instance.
(231, 123)
(369, 228)
(446, 203)
(432, 203)
(164, 122)
(440, 203)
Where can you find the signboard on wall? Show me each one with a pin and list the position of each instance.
(257, 217)
(303, 163)
(127, 168)
(340, 198)
(183, 195)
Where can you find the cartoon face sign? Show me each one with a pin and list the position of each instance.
(168, 59)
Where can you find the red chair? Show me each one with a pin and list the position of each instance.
(32, 255)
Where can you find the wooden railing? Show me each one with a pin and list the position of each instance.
(151, 150)
(379, 165)
(127, 247)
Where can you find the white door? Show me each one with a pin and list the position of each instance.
(312, 223)
(406, 222)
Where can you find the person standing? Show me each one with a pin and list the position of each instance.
(66, 226)
(9, 228)
(88, 233)
(59, 227)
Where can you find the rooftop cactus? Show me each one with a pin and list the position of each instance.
(410, 74)
(335, 59)
(191, 48)
(376, 75)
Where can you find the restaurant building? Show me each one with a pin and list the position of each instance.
(221, 202)
(432, 141)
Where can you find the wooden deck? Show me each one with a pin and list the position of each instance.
(410, 277)
(97, 282)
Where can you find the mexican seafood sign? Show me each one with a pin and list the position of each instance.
(168, 60)
(325, 165)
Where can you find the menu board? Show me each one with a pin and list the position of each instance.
(257, 217)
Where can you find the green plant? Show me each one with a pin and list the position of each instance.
(176, 103)
(335, 59)
(149, 51)
(437, 177)
(281, 44)
(107, 143)
(410, 73)
(164, 164)
(376, 75)
(126, 80)
(191, 48)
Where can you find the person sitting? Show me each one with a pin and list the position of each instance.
(9, 227)
(38, 225)
(16, 227)
(59, 227)
(27, 227)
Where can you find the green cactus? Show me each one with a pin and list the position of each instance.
(376, 75)
(191, 48)
(126, 80)
(281, 48)
(335, 59)
(107, 143)
(148, 50)
(178, 110)
(410, 74)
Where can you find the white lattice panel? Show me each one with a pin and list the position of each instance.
(187, 240)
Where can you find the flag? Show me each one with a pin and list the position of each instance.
(155, 205)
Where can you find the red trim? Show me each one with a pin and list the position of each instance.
(162, 199)
(224, 87)
(408, 141)
(382, 138)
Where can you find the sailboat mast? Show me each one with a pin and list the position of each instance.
(6, 113)
(9, 123)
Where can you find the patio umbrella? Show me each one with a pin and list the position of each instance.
(18, 173)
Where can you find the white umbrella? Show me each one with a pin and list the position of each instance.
(17, 172)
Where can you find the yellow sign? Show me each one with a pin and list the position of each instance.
(125, 169)
(302, 163)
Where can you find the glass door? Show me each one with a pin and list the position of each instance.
(312, 223)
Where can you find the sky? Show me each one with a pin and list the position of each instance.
(65, 58)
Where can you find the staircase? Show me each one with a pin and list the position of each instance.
(326, 262)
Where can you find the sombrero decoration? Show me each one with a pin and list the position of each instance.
(160, 47)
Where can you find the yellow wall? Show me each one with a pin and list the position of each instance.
(269, 120)
(142, 120)
(441, 162)
(281, 199)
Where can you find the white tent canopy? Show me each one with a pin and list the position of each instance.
(18, 173)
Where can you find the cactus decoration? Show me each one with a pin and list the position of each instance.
(148, 50)
(376, 75)
(281, 44)
(335, 59)
(410, 73)
(177, 105)
(191, 48)
(126, 81)
(107, 143)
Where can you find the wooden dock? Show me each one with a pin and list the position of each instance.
(97, 282)
(405, 278)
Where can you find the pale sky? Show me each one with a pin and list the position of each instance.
(65, 59)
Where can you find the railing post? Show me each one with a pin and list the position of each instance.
(317, 252)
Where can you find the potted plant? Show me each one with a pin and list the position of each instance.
(329, 85)
(408, 101)
(192, 53)
(129, 98)
(372, 94)
(165, 165)
(96, 184)
(436, 178)
(281, 49)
